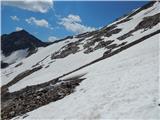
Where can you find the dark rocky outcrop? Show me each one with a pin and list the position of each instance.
(70, 48)
(85, 35)
(114, 31)
(103, 44)
(148, 22)
(35, 96)
(4, 65)
(91, 42)
(145, 24)
(112, 46)
(88, 50)
(125, 36)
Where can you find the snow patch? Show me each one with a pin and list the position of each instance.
(15, 56)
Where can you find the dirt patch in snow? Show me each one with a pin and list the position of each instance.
(38, 63)
(19, 64)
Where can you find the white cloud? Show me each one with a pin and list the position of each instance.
(40, 23)
(19, 28)
(52, 38)
(32, 5)
(73, 23)
(15, 18)
(72, 18)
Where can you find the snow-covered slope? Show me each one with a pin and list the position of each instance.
(57, 67)
(119, 82)
(15, 56)
(124, 86)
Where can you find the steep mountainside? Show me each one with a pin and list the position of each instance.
(19, 44)
(115, 67)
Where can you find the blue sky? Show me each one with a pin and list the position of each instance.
(58, 19)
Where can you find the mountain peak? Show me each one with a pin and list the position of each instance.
(22, 31)
(20, 40)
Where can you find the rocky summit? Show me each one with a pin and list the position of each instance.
(19, 40)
